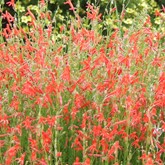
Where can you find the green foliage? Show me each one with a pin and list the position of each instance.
(59, 10)
(115, 13)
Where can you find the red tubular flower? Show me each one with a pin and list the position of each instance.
(10, 153)
(163, 8)
(42, 2)
(8, 16)
(87, 162)
(11, 3)
(97, 130)
(30, 13)
(79, 101)
(104, 145)
(2, 143)
(7, 31)
(27, 123)
(157, 13)
(28, 89)
(93, 147)
(46, 136)
(59, 154)
(33, 156)
(77, 144)
(42, 162)
(66, 74)
(21, 159)
(159, 93)
(93, 14)
(70, 4)
(51, 120)
(77, 161)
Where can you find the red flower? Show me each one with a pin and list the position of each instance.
(33, 145)
(27, 123)
(93, 147)
(163, 8)
(28, 89)
(2, 142)
(79, 101)
(10, 153)
(157, 13)
(11, 3)
(66, 74)
(70, 4)
(59, 154)
(51, 120)
(93, 14)
(77, 144)
(8, 16)
(46, 136)
(97, 130)
(42, 162)
(87, 162)
(21, 159)
(77, 161)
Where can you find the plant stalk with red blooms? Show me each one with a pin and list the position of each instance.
(69, 2)
(11, 3)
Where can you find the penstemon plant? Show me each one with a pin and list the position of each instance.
(79, 97)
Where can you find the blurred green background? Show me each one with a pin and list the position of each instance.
(60, 11)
